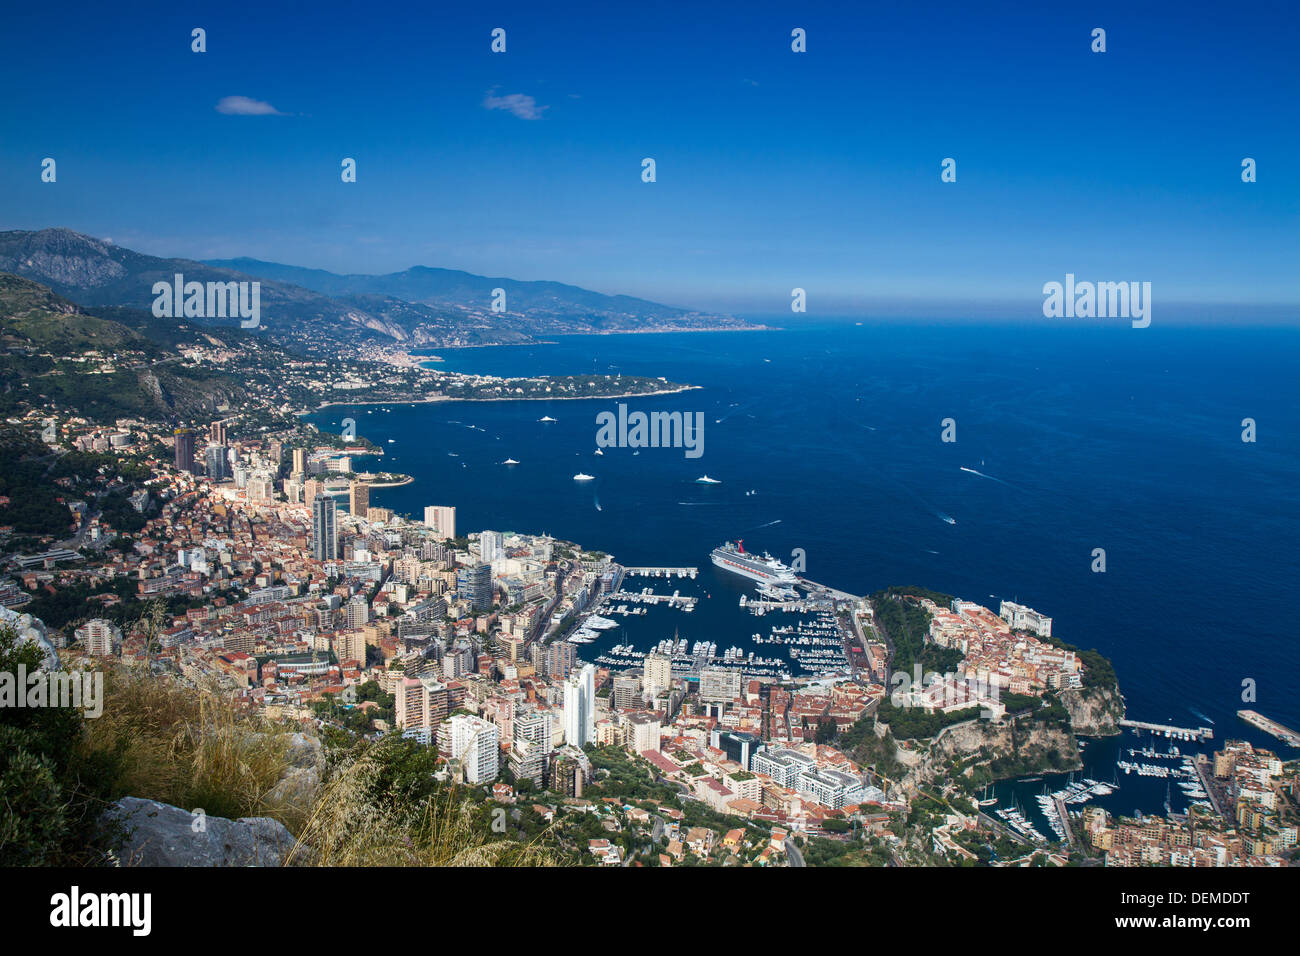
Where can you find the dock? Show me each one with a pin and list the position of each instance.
(642, 597)
(1065, 820)
(1199, 734)
(662, 572)
(797, 606)
(1200, 764)
(1271, 727)
(829, 592)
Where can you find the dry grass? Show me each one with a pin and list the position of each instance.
(349, 827)
(188, 747)
(192, 749)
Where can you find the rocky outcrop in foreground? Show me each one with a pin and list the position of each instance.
(158, 834)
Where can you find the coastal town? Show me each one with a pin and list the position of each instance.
(253, 564)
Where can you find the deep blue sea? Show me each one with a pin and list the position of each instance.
(1100, 437)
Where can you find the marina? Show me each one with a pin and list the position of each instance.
(688, 659)
(806, 638)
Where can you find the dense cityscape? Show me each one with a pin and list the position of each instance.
(251, 565)
(591, 441)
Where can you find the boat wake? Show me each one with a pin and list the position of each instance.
(972, 471)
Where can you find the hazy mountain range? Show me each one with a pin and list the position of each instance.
(312, 308)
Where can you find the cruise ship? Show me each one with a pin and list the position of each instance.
(767, 569)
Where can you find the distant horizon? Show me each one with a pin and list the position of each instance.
(901, 309)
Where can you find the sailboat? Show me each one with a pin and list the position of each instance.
(986, 800)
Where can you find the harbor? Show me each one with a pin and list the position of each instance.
(688, 658)
(805, 637)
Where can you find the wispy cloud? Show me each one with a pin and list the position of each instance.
(520, 104)
(246, 106)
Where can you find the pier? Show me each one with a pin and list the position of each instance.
(1065, 820)
(828, 592)
(662, 572)
(1199, 734)
(1272, 727)
(646, 597)
(762, 606)
(1206, 785)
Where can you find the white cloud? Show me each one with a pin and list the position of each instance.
(245, 106)
(520, 104)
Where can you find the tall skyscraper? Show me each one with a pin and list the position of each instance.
(185, 449)
(275, 452)
(491, 546)
(300, 461)
(477, 586)
(580, 707)
(324, 529)
(441, 519)
(218, 462)
(658, 674)
(531, 746)
(561, 657)
(350, 645)
(474, 742)
(218, 433)
(99, 636)
(359, 499)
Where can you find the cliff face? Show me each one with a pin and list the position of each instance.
(1021, 746)
(1094, 711)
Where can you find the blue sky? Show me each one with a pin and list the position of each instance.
(775, 169)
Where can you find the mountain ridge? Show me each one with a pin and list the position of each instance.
(313, 310)
(436, 285)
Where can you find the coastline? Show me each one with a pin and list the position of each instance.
(407, 358)
(539, 398)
